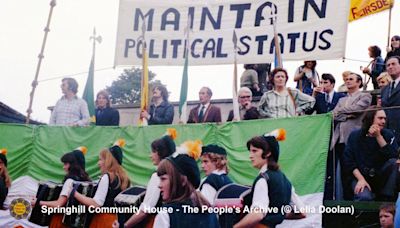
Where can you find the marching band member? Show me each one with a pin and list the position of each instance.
(160, 149)
(271, 188)
(113, 181)
(179, 178)
(215, 165)
(5, 180)
(74, 167)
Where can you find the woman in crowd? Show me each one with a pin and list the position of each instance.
(214, 163)
(5, 180)
(249, 79)
(74, 167)
(271, 188)
(384, 79)
(161, 111)
(377, 65)
(283, 101)
(105, 115)
(307, 77)
(160, 149)
(394, 49)
(179, 178)
(112, 182)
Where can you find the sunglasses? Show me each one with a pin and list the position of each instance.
(244, 96)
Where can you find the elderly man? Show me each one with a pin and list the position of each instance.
(246, 110)
(70, 110)
(391, 96)
(205, 112)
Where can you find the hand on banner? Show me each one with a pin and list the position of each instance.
(145, 114)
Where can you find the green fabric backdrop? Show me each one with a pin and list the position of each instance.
(36, 150)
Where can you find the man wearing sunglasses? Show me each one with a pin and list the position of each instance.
(246, 110)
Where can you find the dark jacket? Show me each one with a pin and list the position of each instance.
(250, 114)
(162, 114)
(392, 115)
(107, 117)
(320, 103)
(364, 152)
(212, 114)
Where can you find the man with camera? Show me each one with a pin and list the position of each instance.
(370, 159)
(246, 110)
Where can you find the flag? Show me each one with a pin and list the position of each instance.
(184, 91)
(88, 93)
(185, 80)
(144, 97)
(363, 8)
(278, 57)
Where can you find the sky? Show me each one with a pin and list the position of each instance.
(68, 52)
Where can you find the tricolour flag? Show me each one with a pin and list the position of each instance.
(184, 90)
(88, 93)
(363, 8)
(144, 97)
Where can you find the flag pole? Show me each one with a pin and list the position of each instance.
(390, 23)
(276, 41)
(145, 76)
(236, 115)
(41, 56)
(185, 80)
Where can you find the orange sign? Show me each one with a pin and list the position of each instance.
(362, 8)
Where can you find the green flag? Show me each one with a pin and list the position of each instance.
(88, 94)
(184, 90)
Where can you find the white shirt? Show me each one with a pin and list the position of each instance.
(331, 95)
(260, 195)
(161, 220)
(152, 193)
(208, 191)
(396, 82)
(205, 108)
(67, 187)
(102, 190)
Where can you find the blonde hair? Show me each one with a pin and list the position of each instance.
(346, 73)
(385, 76)
(5, 176)
(220, 161)
(114, 169)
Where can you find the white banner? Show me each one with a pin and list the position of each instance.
(308, 30)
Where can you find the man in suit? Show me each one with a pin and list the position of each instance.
(391, 96)
(205, 112)
(325, 96)
(246, 110)
(348, 115)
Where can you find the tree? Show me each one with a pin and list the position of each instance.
(126, 89)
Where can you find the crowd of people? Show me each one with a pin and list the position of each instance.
(362, 163)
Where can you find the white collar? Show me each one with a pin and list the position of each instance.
(218, 172)
(264, 168)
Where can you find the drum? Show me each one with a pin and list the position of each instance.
(47, 191)
(130, 197)
(80, 218)
(232, 196)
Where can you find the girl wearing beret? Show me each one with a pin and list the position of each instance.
(74, 167)
(215, 165)
(271, 188)
(160, 149)
(113, 181)
(5, 180)
(179, 178)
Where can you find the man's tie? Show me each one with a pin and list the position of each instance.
(201, 114)
(328, 101)
(391, 88)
